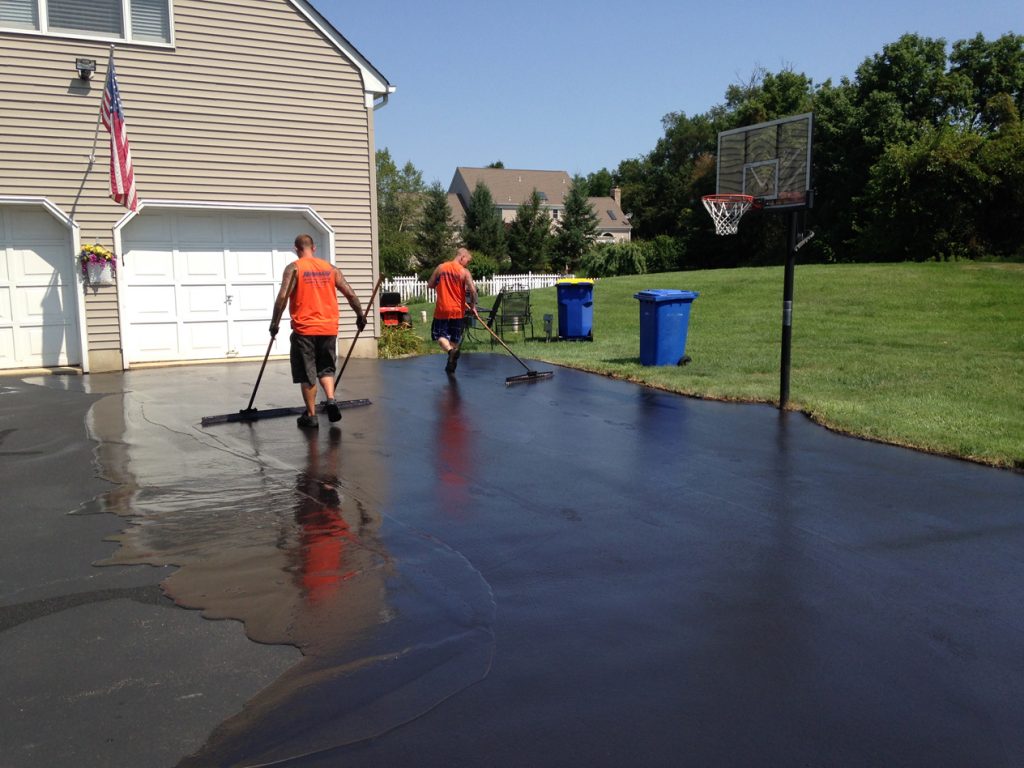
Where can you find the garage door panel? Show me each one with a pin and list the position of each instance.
(287, 226)
(150, 266)
(201, 229)
(206, 339)
(203, 302)
(248, 229)
(155, 341)
(253, 302)
(33, 225)
(40, 305)
(201, 265)
(252, 338)
(152, 303)
(6, 305)
(152, 230)
(8, 356)
(48, 342)
(40, 263)
(281, 260)
(251, 265)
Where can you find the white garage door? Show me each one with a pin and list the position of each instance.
(38, 309)
(201, 286)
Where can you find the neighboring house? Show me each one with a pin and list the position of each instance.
(249, 123)
(511, 188)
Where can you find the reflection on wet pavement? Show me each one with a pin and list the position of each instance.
(679, 582)
(390, 621)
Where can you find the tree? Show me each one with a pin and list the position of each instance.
(399, 200)
(496, 164)
(484, 231)
(990, 69)
(435, 237)
(600, 183)
(529, 236)
(577, 228)
(921, 201)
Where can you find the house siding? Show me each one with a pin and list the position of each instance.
(252, 105)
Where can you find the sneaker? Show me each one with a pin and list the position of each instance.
(308, 422)
(453, 361)
(333, 411)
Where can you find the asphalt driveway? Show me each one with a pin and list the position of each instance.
(577, 571)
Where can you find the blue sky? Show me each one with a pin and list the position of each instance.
(577, 86)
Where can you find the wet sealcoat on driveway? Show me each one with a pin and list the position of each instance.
(577, 571)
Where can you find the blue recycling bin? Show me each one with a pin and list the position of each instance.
(664, 321)
(575, 308)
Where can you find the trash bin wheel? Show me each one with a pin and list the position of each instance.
(684, 360)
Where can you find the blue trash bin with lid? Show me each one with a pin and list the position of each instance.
(575, 308)
(664, 321)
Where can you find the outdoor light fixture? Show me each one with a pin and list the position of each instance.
(85, 68)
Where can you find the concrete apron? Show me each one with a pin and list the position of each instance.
(574, 571)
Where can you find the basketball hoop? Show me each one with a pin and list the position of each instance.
(726, 211)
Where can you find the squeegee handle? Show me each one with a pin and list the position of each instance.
(260, 377)
(366, 314)
(497, 338)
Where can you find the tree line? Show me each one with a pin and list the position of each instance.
(416, 230)
(918, 156)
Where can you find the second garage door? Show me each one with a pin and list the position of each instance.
(201, 286)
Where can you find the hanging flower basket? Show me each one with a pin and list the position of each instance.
(98, 264)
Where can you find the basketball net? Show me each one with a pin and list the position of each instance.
(726, 211)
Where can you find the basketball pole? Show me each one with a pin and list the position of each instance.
(787, 310)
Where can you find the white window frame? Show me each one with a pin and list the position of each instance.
(126, 24)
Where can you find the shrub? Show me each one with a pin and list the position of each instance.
(613, 259)
(396, 341)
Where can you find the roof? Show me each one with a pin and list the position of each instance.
(609, 215)
(458, 212)
(374, 83)
(512, 187)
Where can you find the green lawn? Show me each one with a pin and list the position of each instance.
(923, 355)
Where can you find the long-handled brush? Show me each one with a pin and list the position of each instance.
(530, 375)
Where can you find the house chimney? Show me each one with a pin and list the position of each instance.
(617, 196)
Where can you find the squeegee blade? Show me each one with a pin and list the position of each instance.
(528, 377)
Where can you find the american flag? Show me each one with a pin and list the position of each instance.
(122, 175)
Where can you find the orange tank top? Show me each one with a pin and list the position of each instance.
(451, 292)
(313, 305)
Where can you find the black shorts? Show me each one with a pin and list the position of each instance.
(313, 357)
(450, 329)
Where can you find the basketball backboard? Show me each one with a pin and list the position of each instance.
(770, 161)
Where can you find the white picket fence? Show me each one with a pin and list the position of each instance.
(413, 289)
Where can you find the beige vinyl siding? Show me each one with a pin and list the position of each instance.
(253, 105)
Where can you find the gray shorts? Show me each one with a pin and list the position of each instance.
(313, 357)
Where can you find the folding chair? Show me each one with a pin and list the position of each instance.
(487, 314)
(515, 312)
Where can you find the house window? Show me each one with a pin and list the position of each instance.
(133, 20)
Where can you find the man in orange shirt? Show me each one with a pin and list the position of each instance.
(309, 287)
(453, 284)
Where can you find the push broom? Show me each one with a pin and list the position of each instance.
(530, 374)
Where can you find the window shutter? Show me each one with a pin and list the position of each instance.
(96, 17)
(19, 13)
(150, 21)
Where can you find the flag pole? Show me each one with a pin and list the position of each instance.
(95, 140)
(96, 135)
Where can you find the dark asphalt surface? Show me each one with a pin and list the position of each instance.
(577, 571)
